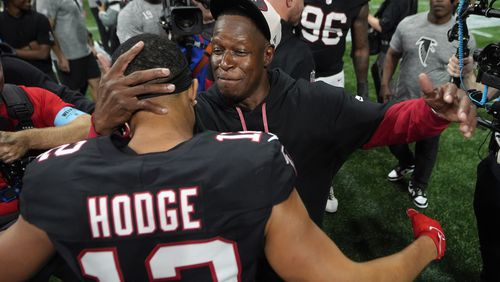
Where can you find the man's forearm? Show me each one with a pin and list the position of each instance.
(360, 50)
(404, 265)
(49, 137)
(360, 60)
(390, 65)
(40, 53)
(374, 23)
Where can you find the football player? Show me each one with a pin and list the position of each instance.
(170, 205)
(324, 26)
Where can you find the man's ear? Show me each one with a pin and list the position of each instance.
(268, 55)
(193, 90)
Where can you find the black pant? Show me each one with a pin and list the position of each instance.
(425, 156)
(376, 70)
(487, 210)
(81, 70)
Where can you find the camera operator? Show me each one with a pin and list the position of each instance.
(487, 194)
(53, 123)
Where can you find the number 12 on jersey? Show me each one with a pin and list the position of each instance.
(166, 261)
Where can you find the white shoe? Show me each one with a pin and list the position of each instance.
(399, 173)
(418, 195)
(332, 203)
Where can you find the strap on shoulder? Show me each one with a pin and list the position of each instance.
(18, 105)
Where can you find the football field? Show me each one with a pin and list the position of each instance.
(371, 220)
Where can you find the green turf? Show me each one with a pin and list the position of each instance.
(371, 220)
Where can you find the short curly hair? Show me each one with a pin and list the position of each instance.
(158, 52)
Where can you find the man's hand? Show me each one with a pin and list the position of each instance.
(453, 66)
(117, 93)
(63, 64)
(450, 103)
(385, 93)
(424, 225)
(12, 146)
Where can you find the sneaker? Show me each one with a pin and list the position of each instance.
(399, 172)
(332, 203)
(418, 195)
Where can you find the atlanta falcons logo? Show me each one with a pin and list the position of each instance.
(425, 45)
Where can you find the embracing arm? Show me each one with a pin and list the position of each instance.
(50, 137)
(416, 119)
(298, 250)
(360, 50)
(24, 249)
(14, 145)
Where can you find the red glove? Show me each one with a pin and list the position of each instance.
(424, 225)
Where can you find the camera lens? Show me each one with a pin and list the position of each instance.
(184, 22)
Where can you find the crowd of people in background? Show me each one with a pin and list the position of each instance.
(269, 66)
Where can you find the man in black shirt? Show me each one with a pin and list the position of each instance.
(319, 124)
(170, 205)
(29, 33)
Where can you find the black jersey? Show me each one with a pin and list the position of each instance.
(292, 54)
(324, 25)
(196, 212)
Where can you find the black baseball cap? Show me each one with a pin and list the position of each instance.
(247, 7)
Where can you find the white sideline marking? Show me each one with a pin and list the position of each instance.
(481, 33)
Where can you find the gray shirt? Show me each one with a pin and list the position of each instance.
(69, 26)
(425, 49)
(139, 17)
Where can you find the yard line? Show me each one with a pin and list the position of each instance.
(482, 33)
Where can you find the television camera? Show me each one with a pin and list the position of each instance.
(487, 58)
(181, 20)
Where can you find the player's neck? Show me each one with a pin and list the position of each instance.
(151, 134)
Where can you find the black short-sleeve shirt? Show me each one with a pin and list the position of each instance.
(20, 31)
